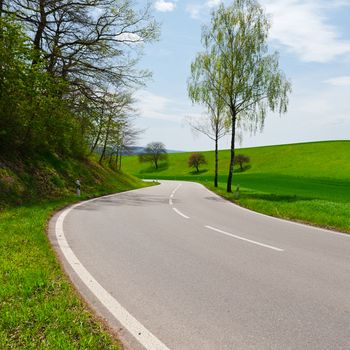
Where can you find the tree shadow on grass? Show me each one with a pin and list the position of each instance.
(123, 200)
(276, 197)
(244, 169)
(151, 169)
(195, 172)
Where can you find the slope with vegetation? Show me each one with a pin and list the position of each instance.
(307, 182)
(38, 306)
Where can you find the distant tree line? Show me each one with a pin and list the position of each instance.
(68, 71)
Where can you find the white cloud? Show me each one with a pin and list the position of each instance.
(152, 106)
(129, 37)
(313, 114)
(213, 3)
(339, 81)
(196, 10)
(164, 6)
(302, 27)
(299, 25)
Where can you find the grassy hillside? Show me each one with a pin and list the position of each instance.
(39, 309)
(31, 180)
(309, 182)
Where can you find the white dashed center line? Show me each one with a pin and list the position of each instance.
(245, 239)
(173, 194)
(179, 212)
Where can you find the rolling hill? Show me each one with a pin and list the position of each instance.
(308, 182)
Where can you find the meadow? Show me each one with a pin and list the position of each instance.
(306, 182)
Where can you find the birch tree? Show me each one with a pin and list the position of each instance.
(204, 88)
(249, 74)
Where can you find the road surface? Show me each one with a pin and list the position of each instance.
(184, 269)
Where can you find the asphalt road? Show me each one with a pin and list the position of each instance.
(198, 272)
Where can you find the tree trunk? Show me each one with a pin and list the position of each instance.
(100, 127)
(106, 140)
(197, 168)
(96, 140)
(116, 158)
(1, 7)
(39, 32)
(120, 160)
(232, 159)
(216, 159)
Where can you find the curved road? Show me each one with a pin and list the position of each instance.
(184, 269)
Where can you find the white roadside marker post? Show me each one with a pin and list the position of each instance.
(237, 194)
(78, 187)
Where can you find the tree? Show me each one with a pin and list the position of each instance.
(87, 42)
(202, 88)
(91, 46)
(241, 159)
(195, 160)
(115, 111)
(33, 116)
(251, 80)
(56, 82)
(154, 152)
(127, 138)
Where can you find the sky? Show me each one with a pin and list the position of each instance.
(313, 40)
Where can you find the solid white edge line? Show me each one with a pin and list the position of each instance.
(245, 239)
(179, 212)
(141, 334)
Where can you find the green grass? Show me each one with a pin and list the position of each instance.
(39, 308)
(307, 182)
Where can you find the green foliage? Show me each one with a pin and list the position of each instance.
(68, 72)
(33, 116)
(289, 181)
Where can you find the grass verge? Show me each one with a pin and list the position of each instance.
(39, 308)
(318, 212)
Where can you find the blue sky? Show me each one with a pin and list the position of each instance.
(313, 39)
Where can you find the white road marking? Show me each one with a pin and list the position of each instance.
(179, 212)
(286, 221)
(143, 335)
(173, 194)
(177, 187)
(245, 239)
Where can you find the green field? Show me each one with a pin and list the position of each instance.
(308, 182)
